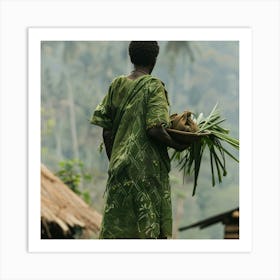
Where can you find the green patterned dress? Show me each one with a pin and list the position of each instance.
(138, 199)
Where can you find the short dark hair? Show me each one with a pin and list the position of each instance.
(143, 53)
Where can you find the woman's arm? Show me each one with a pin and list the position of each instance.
(159, 133)
(108, 141)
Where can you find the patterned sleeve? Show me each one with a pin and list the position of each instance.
(102, 114)
(157, 106)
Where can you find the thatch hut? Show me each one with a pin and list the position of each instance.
(229, 219)
(64, 215)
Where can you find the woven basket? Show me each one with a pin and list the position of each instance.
(186, 137)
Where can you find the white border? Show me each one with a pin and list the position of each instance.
(243, 35)
(263, 16)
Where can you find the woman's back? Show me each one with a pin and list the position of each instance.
(141, 102)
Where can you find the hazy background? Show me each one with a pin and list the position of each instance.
(75, 77)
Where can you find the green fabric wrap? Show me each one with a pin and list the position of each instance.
(138, 199)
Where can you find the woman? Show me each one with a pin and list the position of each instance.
(134, 115)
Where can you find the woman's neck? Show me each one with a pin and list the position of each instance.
(138, 72)
(142, 70)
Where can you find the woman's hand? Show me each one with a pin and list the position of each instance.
(180, 147)
(159, 133)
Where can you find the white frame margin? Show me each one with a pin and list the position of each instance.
(243, 35)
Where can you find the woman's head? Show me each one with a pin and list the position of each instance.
(143, 53)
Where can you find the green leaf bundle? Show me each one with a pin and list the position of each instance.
(189, 160)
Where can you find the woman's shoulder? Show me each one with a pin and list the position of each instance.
(117, 80)
(151, 81)
(156, 82)
(157, 86)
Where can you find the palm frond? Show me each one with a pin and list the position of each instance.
(189, 161)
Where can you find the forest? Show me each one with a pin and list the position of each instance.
(75, 76)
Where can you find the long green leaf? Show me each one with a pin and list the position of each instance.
(212, 168)
(209, 117)
(218, 145)
(229, 154)
(212, 125)
(232, 141)
(217, 167)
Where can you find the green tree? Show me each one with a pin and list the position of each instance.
(72, 172)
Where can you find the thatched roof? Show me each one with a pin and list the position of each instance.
(60, 205)
(223, 217)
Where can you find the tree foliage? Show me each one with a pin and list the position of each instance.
(72, 173)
